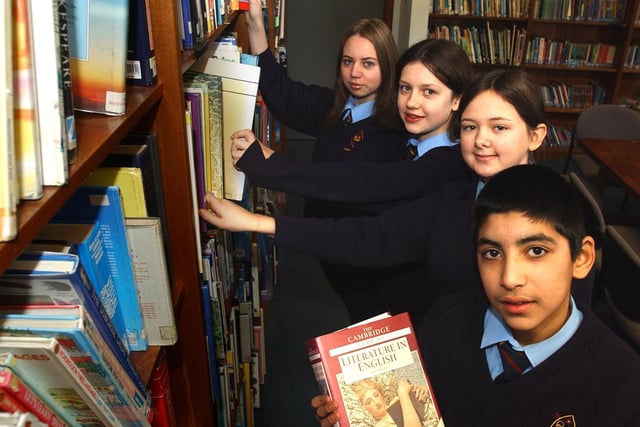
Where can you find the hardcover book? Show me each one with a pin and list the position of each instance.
(131, 184)
(104, 204)
(69, 134)
(98, 33)
(164, 414)
(213, 145)
(239, 91)
(368, 367)
(47, 368)
(88, 241)
(141, 53)
(152, 279)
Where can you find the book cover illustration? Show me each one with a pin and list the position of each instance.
(369, 368)
(98, 33)
(48, 369)
(22, 398)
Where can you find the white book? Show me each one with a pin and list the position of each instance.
(152, 279)
(239, 91)
(46, 53)
(8, 182)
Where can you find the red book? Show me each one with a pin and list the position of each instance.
(370, 367)
(15, 395)
(161, 399)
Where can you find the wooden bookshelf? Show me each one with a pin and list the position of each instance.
(619, 82)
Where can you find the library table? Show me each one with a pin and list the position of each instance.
(619, 159)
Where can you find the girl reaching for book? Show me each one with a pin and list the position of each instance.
(432, 76)
(500, 123)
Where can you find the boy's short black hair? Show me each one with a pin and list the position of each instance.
(540, 194)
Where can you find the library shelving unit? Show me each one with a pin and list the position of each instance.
(159, 108)
(565, 45)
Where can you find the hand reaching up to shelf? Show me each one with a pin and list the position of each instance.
(240, 142)
(227, 215)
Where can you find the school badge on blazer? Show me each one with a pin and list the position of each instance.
(355, 140)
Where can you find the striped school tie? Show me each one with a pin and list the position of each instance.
(514, 362)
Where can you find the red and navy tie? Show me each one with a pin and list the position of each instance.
(514, 362)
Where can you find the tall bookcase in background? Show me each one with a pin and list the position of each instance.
(156, 108)
(550, 26)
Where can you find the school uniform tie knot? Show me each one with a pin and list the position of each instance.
(412, 151)
(346, 117)
(514, 362)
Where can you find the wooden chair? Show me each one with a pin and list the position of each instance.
(620, 276)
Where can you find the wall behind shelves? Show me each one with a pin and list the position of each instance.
(314, 30)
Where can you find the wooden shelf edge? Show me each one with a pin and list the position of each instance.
(97, 135)
(145, 361)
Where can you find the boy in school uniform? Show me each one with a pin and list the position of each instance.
(523, 352)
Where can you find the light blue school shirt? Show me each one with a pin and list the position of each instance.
(496, 331)
(361, 111)
(424, 146)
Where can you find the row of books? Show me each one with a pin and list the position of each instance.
(486, 45)
(501, 8)
(578, 10)
(68, 56)
(543, 51)
(632, 59)
(198, 18)
(96, 280)
(558, 136)
(573, 95)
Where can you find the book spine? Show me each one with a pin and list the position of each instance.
(28, 161)
(110, 335)
(8, 179)
(164, 414)
(69, 117)
(141, 61)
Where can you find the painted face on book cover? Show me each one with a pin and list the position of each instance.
(360, 69)
(494, 137)
(527, 270)
(425, 103)
(374, 402)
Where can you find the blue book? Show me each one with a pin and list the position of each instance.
(104, 205)
(188, 40)
(141, 55)
(214, 378)
(77, 332)
(54, 278)
(86, 240)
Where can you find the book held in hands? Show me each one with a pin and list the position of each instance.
(374, 371)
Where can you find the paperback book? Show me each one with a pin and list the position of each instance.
(374, 360)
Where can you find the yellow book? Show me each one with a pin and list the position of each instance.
(129, 179)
